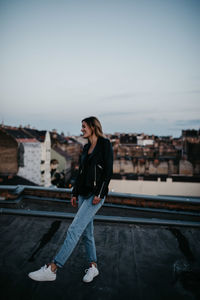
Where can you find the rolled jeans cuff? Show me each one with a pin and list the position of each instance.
(57, 263)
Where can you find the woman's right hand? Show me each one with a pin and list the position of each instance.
(74, 201)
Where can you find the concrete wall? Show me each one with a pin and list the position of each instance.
(32, 158)
(156, 187)
(185, 167)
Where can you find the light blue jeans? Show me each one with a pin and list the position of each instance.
(82, 225)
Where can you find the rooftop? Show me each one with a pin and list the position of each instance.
(23, 134)
(16, 133)
(138, 259)
(38, 134)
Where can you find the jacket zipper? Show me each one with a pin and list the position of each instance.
(95, 179)
(101, 189)
(95, 173)
(95, 176)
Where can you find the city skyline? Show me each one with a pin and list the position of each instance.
(133, 64)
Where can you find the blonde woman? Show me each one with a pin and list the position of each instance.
(89, 192)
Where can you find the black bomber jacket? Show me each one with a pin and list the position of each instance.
(100, 164)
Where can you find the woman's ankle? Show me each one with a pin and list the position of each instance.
(94, 264)
(54, 267)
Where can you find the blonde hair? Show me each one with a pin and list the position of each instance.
(95, 125)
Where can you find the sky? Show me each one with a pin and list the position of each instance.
(132, 63)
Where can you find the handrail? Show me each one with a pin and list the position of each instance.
(101, 218)
(110, 205)
(18, 189)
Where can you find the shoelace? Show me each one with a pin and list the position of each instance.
(44, 268)
(88, 271)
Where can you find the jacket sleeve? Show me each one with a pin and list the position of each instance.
(102, 188)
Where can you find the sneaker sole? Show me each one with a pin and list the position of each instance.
(92, 279)
(37, 279)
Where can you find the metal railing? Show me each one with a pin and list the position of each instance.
(176, 206)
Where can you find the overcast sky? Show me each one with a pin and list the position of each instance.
(132, 63)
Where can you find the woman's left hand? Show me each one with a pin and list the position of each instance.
(96, 200)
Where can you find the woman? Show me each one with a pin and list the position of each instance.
(89, 192)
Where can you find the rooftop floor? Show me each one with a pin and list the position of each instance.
(135, 261)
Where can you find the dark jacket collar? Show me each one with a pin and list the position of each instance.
(96, 148)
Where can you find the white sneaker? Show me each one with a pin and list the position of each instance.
(43, 274)
(90, 274)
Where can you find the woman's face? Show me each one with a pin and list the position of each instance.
(86, 130)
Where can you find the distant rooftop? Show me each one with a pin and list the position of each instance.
(38, 134)
(23, 134)
(17, 133)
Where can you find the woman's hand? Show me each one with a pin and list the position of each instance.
(96, 200)
(74, 201)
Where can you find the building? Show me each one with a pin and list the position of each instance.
(8, 154)
(33, 153)
(24, 158)
(69, 145)
(61, 171)
(45, 158)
